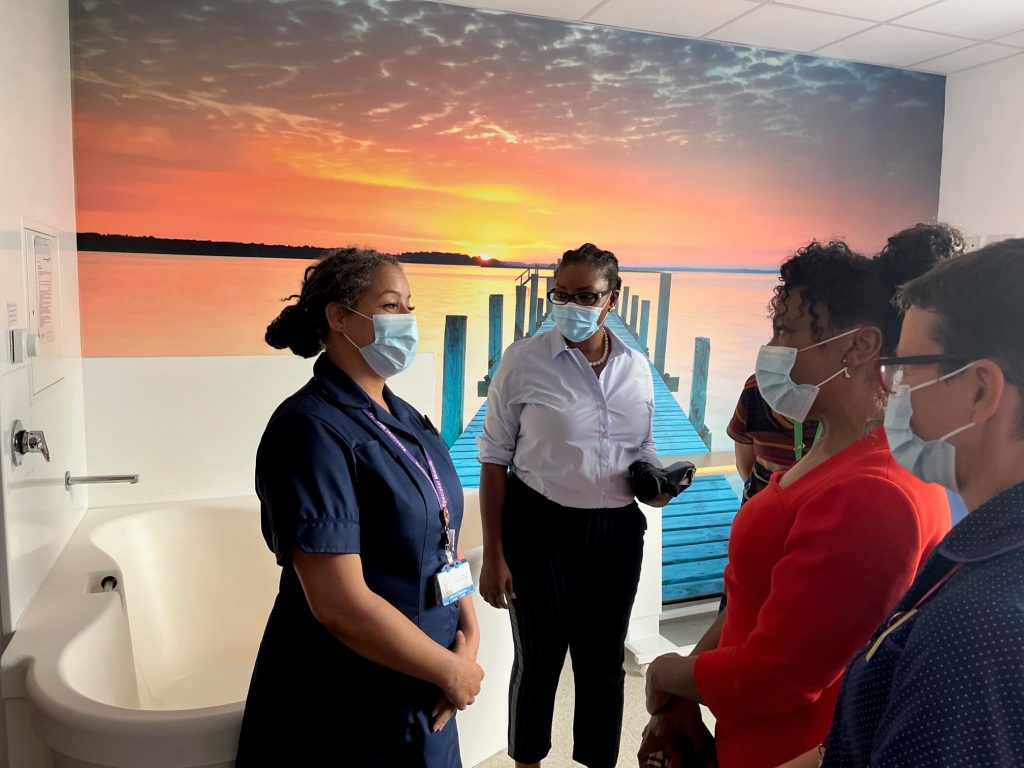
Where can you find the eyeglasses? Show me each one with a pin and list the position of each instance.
(892, 367)
(583, 298)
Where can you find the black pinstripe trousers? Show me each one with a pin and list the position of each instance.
(575, 574)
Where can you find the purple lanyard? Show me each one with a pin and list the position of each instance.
(433, 478)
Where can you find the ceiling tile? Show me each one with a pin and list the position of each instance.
(893, 46)
(788, 29)
(837, 28)
(570, 10)
(982, 53)
(875, 10)
(980, 19)
(690, 18)
(1016, 40)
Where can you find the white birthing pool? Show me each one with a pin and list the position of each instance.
(154, 674)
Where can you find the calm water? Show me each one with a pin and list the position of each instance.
(152, 305)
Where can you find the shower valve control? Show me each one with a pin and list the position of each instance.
(25, 441)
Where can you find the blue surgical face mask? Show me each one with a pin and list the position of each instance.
(785, 396)
(933, 461)
(575, 322)
(395, 338)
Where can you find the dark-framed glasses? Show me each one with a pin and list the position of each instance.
(892, 368)
(583, 298)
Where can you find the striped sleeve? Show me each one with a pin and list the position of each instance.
(737, 428)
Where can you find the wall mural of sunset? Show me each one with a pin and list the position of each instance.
(415, 126)
(471, 138)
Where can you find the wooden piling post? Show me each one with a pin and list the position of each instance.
(539, 312)
(645, 323)
(453, 386)
(497, 308)
(624, 303)
(661, 333)
(494, 341)
(633, 313)
(699, 387)
(520, 329)
(534, 280)
(547, 304)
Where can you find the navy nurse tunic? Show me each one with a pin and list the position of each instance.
(329, 480)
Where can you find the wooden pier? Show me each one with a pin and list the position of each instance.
(696, 524)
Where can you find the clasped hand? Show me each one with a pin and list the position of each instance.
(463, 686)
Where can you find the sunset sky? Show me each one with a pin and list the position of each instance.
(409, 125)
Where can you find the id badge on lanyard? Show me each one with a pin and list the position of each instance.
(454, 581)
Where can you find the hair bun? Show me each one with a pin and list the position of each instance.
(292, 329)
(914, 251)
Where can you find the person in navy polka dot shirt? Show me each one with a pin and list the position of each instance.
(942, 681)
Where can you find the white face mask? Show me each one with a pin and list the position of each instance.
(785, 396)
(933, 461)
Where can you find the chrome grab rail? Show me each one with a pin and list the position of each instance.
(91, 479)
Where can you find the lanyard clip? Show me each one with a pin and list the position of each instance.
(449, 545)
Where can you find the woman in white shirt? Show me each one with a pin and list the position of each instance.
(568, 412)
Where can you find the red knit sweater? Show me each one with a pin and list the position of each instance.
(813, 569)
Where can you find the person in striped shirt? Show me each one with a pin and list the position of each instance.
(766, 441)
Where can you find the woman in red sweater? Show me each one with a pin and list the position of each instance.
(818, 557)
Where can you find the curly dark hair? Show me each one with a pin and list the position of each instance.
(854, 289)
(928, 241)
(603, 262)
(341, 275)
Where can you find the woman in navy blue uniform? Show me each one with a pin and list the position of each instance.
(371, 645)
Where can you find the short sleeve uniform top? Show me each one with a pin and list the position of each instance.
(330, 480)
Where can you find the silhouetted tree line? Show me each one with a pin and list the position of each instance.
(94, 241)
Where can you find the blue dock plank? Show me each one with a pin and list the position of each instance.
(695, 539)
(691, 590)
(692, 553)
(705, 533)
(684, 572)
